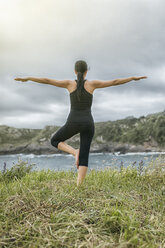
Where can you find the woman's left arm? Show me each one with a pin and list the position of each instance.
(58, 83)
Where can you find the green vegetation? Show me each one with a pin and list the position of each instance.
(112, 208)
(135, 131)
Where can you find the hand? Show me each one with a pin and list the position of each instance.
(21, 79)
(138, 78)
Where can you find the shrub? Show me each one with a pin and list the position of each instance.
(19, 170)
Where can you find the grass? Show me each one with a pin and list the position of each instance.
(112, 208)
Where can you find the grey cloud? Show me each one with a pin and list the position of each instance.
(44, 39)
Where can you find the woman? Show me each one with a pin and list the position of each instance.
(80, 119)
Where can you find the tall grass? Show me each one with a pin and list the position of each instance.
(112, 208)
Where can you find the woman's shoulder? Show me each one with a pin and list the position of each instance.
(88, 85)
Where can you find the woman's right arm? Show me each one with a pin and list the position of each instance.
(102, 84)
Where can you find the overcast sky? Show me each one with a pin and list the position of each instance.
(116, 38)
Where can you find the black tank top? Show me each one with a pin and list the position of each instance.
(85, 102)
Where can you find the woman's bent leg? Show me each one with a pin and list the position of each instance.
(66, 148)
(64, 133)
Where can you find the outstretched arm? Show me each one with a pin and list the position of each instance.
(114, 82)
(58, 83)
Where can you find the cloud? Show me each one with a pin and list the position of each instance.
(44, 39)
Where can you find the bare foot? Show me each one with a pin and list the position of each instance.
(77, 158)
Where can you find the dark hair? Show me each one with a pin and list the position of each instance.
(80, 67)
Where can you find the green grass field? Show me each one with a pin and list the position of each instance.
(112, 208)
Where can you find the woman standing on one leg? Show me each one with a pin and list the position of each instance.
(80, 119)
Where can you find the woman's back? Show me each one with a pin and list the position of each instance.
(80, 111)
(85, 102)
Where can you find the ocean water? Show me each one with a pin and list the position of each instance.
(97, 161)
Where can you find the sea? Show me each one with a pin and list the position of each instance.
(97, 161)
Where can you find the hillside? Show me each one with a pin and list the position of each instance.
(126, 135)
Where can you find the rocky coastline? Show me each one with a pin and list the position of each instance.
(143, 134)
(46, 148)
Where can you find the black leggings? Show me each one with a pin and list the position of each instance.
(70, 128)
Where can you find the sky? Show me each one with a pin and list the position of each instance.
(116, 38)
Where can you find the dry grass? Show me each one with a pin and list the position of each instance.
(111, 209)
